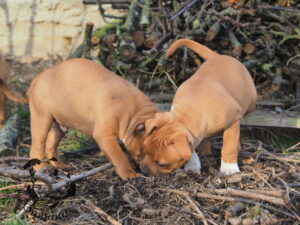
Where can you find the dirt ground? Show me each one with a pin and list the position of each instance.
(267, 191)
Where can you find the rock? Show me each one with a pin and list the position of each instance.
(235, 221)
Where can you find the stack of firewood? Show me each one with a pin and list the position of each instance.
(264, 35)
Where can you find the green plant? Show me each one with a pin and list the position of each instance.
(74, 140)
(16, 221)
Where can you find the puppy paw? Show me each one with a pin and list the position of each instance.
(127, 175)
(229, 168)
(193, 164)
(59, 164)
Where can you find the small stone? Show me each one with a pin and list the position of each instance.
(235, 221)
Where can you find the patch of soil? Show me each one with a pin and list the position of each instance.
(183, 197)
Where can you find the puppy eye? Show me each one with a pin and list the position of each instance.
(139, 129)
(162, 164)
(171, 143)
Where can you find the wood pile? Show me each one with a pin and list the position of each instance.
(265, 36)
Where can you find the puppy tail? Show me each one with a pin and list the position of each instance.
(14, 96)
(201, 50)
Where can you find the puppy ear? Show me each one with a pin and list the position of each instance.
(190, 140)
(150, 126)
(186, 146)
(187, 153)
(139, 128)
(160, 120)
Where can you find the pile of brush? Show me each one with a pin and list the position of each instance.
(265, 36)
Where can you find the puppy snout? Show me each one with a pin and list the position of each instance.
(145, 170)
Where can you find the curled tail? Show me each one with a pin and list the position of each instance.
(14, 96)
(201, 50)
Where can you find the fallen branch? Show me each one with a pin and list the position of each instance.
(230, 20)
(13, 158)
(274, 193)
(18, 186)
(14, 196)
(248, 194)
(49, 181)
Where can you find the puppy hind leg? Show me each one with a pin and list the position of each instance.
(229, 152)
(206, 154)
(55, 135)
(40, 125)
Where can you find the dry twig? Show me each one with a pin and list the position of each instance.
(196, 208)
(101, 212)
(248, 194)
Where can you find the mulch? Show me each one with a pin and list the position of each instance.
(267, 191)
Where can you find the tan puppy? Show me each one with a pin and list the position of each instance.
(5, 92)
(85, 96)
(213, 100)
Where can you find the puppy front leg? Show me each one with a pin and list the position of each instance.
(40, 126)
(205, 149)
(111, 148)
(230, 149)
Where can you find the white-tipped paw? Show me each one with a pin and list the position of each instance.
(193, 164)
(229, 168)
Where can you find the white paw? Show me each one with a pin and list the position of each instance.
(193, 164)
(229, 168)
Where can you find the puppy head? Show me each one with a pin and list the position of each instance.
(134, 143)
(167, 145)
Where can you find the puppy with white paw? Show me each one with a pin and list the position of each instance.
(211, 101)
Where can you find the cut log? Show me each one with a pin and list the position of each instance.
(8, 136)
(130, 20)
(213, 31)
(237, 47)
(145, 15)
(272, 119)
(127, 50)
(138, 38)
(87, 38)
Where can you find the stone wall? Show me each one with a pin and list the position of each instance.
(43, 28)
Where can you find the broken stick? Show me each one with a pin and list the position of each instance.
(49, 181)
(253, 195)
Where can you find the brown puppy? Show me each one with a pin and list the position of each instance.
(214, 99)
(5, 92)
(85, 96)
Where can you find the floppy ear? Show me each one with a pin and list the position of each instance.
(139, 128)
(186, 152)
(150, 126)
(190, 140)
(186, 147)
(159, 120)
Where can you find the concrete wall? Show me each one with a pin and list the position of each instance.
(43, 28)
